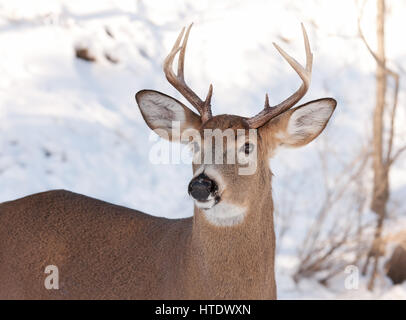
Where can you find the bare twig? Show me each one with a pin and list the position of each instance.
(381, 162)
(397, 154)
(326, 253)
(395, 76)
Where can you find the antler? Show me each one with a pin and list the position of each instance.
(304, 73)
(178, 81)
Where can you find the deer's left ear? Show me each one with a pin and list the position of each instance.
(162, 112)
(299, 126)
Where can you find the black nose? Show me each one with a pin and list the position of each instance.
(201, 187)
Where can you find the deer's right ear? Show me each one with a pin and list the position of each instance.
(300, 125)
(164, 114)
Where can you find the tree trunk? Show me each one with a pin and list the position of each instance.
(380, 193)
(381, 187)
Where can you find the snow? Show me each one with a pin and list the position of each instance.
(67, 123)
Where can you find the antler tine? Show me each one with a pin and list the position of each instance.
(178, 81)
(181, 60)
(266, 104)
(304, 73)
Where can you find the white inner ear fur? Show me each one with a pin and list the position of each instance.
(307, 122)
(310, 119)
(160, 110)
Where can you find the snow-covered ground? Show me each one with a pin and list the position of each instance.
(67, 123)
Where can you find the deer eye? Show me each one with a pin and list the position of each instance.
(247, 148)
(195, 147)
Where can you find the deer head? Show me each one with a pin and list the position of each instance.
(222, 184)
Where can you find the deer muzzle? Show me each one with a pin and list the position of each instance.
(202, 187)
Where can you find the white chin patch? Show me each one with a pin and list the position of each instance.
(206, 204)
(223, 213)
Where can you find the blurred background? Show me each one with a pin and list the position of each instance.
(69, 71)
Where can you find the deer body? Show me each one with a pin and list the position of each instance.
(137, 256)
(225, 251)
(101, 250)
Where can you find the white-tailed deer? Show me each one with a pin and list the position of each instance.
(224, 251)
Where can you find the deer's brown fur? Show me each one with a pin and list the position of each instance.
(107, 251)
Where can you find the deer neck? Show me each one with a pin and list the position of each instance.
(239, 257)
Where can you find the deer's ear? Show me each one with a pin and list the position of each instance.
(165, 115)
(299, 126)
